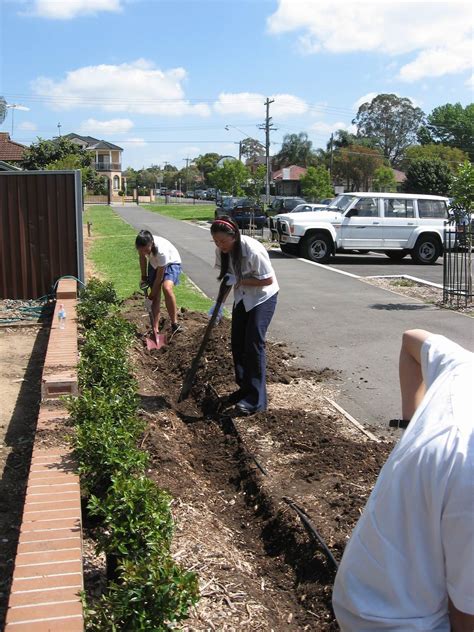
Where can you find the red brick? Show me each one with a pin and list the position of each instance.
(37, 612)
(43, 596)
(42, 571)
(49, 534)
(71, 542)
(66, 289)
(36, 557)
(63, 624)
(44, 525)
(21, 584)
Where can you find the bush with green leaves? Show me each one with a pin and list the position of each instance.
(151, 595)
(135, 518)
(96, 300)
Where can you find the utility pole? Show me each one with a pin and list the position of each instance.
(186, 173)
(267, 126)
(330, 155)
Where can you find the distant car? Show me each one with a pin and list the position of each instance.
(179, 194)
(300, 208)
(243, 211)
(326, 201)
(190, 194)
(210, 194)
(199, 194)
(283, 205)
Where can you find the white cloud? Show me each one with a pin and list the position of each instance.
(367, 98)
(28, 126)
(69, 9)
(252, 104)
(136, 141)
(393, 28)
(326, 129)
(137, 87)
(113, 126)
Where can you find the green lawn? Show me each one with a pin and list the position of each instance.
(114, 257)
(202, 212)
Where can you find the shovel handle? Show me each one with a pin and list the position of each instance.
(224, 290)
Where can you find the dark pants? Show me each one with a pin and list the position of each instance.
(248, 350)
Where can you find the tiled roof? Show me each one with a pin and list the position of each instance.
(293, 172)
(9, 150)
(93, 143)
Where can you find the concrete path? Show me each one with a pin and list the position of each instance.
(328, 319)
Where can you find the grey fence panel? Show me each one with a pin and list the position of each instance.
(40, 220)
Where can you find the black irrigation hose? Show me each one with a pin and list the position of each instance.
(311, 529)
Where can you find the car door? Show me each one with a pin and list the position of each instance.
(398, 221)
(361, 226)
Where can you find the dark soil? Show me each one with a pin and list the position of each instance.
(239, 476)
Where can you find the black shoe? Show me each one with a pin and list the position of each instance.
(242, 410)
(232, 399)
(398, 423)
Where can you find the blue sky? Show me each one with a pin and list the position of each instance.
(163, 79)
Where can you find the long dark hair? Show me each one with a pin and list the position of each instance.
(145, 238)
(227, 226)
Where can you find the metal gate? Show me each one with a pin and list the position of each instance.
(40, 231)
(457, 262)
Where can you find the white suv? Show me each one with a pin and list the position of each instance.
(393, 223)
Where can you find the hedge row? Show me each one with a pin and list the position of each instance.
(147, 590)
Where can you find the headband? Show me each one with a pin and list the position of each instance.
(223, 221)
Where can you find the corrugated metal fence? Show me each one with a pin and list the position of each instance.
(40, 231)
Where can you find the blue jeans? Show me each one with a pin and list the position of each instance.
(248, 351)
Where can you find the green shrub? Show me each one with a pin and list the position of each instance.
(96, 301)
(150, 596)
(135, 518)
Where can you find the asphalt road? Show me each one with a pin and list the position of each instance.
(328, 319)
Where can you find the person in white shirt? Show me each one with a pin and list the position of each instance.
(250, 271)
(409, 564)
(160, 266)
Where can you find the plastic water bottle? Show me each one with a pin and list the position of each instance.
(62, 317)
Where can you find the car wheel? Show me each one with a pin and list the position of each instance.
(396, 255)
(317, 247)
(427, 250)
(289, 249)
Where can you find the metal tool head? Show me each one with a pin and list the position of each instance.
(161, 340)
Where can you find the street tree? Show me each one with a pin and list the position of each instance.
(44, 152)
(452, 156)
(252, 150)
(231, 177)
(296, 149)
(391, 122)
(256, 183)
(355, 166)
(428, 175)
(384, 179)
(206, 163)
(316, 184)
(450, 124)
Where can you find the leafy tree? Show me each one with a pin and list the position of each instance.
(296, 149)
(232, 176)
(428, 175)
(384, 179)
(391, 121)
(251, 149)
(356, 166)
(256, 183)
(462, 187)
(44, 152)
(452, 156)
(450, 125)
(206, 163)
(316, 184)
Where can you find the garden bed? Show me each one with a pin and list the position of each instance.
(258, 567)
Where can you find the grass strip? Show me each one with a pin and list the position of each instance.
(113, 255)
(197, 212)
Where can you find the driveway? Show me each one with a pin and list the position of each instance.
(328, 319)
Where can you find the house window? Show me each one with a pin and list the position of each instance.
(116, 183)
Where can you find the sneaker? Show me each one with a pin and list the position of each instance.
(175, 327)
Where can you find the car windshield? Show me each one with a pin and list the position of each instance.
(302, 208)
(342, 202)
(228, 202)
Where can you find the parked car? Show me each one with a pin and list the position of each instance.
(200, 194)
(326, 201)
(242, 210)
(210, 194)
(283, 205)
(396, 224)
(300, 208)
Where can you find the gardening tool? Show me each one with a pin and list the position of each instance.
(156, 341)
(224, 290)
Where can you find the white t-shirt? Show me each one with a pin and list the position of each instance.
(414, 543)
(255, 263)
(166, 254)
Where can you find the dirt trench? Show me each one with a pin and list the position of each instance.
(259, 568)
